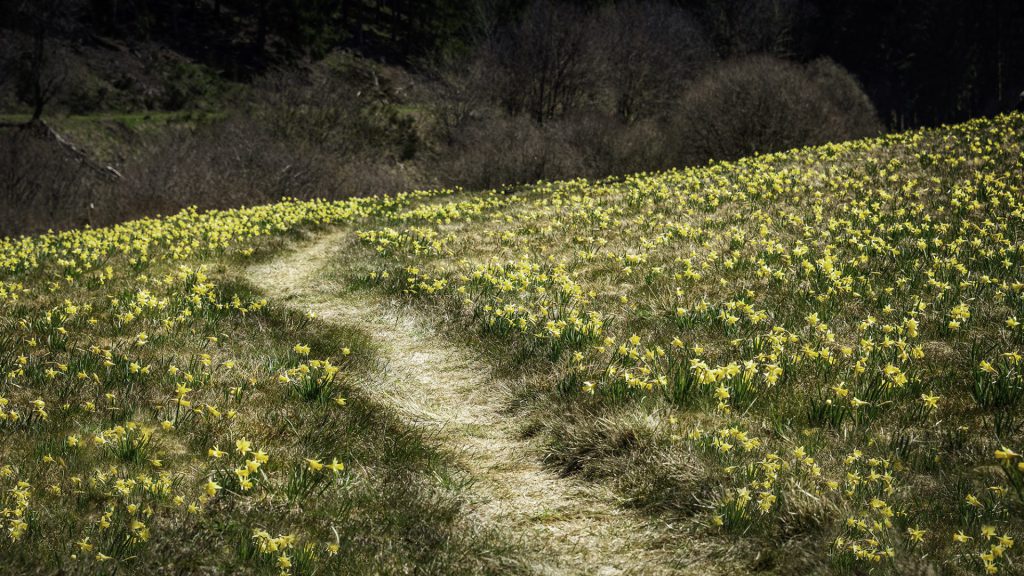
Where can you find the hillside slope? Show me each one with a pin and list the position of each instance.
(803, 362)
(446, 390)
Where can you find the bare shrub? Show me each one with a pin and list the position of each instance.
(561, 93)
(366, 175)
(240, 162)
(41, 186)
(229, 164)
(502, 149)
(546, 61)
(648, 52)
(610, 145)
(763, 104)
(345, 106)
(455, 97)
(853, 114)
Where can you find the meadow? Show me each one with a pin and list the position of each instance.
(804, 362)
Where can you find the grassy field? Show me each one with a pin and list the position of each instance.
(160, 415)
(806, 362)
(816, 351)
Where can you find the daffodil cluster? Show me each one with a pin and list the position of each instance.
(824, 304)
(122, 375)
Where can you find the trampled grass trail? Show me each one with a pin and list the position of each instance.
(567, 526)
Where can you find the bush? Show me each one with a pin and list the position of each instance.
(612, 145)
(649, 52)
(502, 149)
(547, 63)
(345, 106)
(763, 104)
(41, 185)
(857, 117)
(239, 161)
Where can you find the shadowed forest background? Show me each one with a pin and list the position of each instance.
(114, 109)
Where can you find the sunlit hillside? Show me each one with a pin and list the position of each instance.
(804, 362)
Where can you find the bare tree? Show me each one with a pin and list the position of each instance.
(547, 61)
(744, 27)
(43, 71)
(648, 51)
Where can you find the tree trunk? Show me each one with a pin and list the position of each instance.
(261, 27)
(38, 65)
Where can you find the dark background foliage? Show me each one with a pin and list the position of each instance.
(922, 62)
(150, 106)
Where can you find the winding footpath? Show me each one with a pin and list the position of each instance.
(567, 526)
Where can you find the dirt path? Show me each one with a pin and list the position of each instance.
(575, 528)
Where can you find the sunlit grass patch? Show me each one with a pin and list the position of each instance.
(813, 357)
(159, 415)
(828, 339)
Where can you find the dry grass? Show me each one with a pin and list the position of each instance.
(447, 391)
(762, 348)
(805, 362)
(122, 381)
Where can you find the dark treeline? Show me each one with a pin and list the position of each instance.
(922, 62)
(331, 98)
